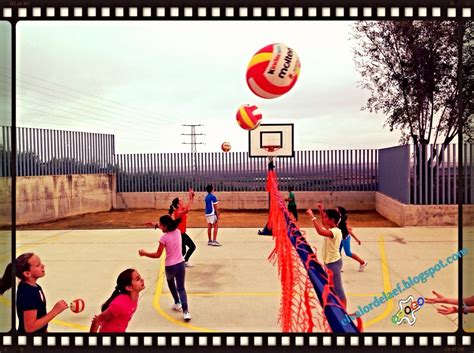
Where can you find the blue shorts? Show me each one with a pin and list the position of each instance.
(346, 244)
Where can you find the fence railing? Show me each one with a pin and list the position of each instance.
(51, 152)
(424, 174)
(434, 174)
(341, 170)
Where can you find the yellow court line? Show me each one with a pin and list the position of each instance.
(70, 324)
(7, 302)
(387, 286)
(43, 241)
(257, 294)
(157, 306)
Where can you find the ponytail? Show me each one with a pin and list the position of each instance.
(173, 206)
(343, 221)
(123, 280)
(21, 265)
(6, 281)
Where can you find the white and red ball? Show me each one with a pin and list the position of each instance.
(273, 71)
(248, 117)
(77, 305)
(225, 147)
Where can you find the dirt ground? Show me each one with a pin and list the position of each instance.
(137, 218)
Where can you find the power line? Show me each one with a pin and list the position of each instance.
(86, 97)
(193, 143)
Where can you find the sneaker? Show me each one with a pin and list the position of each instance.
(188, 264)
(210, 242)
(216, 243)
(187, 316)
(363, 266)
(176, 307)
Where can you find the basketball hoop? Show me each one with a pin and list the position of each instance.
(271, 148)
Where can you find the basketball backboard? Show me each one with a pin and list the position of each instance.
(271, 140)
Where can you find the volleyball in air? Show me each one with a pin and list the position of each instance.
(248, 117)
(225, 146)
(273, 71)
(77, 305)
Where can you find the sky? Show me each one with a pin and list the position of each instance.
(141, 81)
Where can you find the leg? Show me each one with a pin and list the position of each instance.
(216, 227)
(209, 227)
(180, 276)
(347, 249)
(188, 242)
(170, 275)
(336, 267)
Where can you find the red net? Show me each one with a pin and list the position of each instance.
(300, 310)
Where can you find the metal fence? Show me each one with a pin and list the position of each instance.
(51, 152)
(394, 172)
(336, 170)
(5, 151)
(434, 174)
(411, 174)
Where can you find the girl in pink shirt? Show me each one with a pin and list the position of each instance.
(174, 263)
(118, 310)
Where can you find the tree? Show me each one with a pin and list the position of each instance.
(410, 68)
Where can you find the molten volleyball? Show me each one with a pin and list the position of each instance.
(225, 146)
(273, 71)
(248, 117)
(77, 305)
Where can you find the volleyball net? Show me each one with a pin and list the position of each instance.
(308, 301)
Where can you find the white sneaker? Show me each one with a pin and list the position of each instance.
(216, 243)
(188, 264)
(187, 316)
(363, 266)
(176, 307)
(210, 242)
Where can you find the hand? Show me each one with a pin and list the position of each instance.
(309, 211)
(446, 310)
(359, 242)
(320, 206)
(141, 252)
(438, 299)
(149, 224)
(191, 192)
(59, 307)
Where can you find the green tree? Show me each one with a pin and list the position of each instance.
(410, 69)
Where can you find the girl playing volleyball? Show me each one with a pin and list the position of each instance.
(174, 263)
(179, 211)
(118, 310)
(30, 299)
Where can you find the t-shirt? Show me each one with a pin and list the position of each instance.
(331, 246)
(122, 308)
(210, 200)
(184, 218)
(172, 243)
(292, 196)
(30, 297)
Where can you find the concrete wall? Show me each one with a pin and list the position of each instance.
(46, 198)
(5, 201)
(421, 215)
(352, 200)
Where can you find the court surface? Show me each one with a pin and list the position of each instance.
(234, 288)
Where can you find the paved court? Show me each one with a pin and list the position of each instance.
(234, 288)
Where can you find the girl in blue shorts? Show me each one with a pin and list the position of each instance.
(346, 239)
